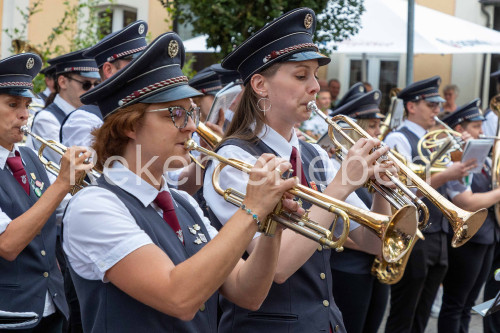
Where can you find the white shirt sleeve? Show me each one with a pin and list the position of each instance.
(491, 124)
(455, 187)
(4, 221)
(400, 142)
(99, 231)
(47, 127)
(78, 127)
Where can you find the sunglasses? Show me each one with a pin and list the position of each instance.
(180, 115)
(86, 85)
(433, 105)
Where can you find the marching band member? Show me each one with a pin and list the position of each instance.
(142, 256)
(362, 298)
(278, 65)
(30, 280)
(412, 296)
(469, 265)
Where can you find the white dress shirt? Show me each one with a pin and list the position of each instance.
(47, 127)
(5, 220)
(399, 141)
(490, 124)
(231, 177)
(99, 230)
(77, 128)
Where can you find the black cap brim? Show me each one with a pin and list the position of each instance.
(18, 92)
(309, 55)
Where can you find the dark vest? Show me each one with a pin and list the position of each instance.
(489, 231)
(298, 305)
(106, 308)
(437, 221)
(93, 109)
(22, 283)
(354, 261)
(55, 110)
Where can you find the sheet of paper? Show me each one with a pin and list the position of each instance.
(223, 101)
(477, 149)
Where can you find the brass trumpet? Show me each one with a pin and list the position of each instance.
(396, 231)
(54, 168)
(465, 224)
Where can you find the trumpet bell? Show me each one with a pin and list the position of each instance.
(465, 225)
(399, 233)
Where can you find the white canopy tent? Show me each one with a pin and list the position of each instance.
(199, 45)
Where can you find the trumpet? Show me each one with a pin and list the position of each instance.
(396, 231)
(54, 168)
(394, 198)
(465, 224)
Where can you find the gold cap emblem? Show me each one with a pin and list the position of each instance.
(375, 96)
(308, 21)
(30, 63)
(173, 48)
(141, 29)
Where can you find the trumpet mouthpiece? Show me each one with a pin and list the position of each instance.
(24, 129)
(190, 144)
(311, 106)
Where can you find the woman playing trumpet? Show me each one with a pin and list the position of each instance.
(142, 256)
(278, 65)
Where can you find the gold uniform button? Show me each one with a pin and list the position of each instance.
(43, 253)
(326, 303)
(45, 274)
(202, 307)
(320, 248)
(336, 329)
(322, 276)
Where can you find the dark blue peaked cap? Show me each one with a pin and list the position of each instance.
(226, 76)
(17, 73)
(119, 44)
(427, 89)
(207, 81)
(49, 70)
(356, 90)
(155, 76)
(287, 38)
(361, 105)
(466, 112)
(75, 62)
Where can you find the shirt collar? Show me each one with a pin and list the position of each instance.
(128, 181)
(415, 128)
(276, 142)
(5, 154)
(63, 105)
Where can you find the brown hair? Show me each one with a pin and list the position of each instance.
(110, 139)
(247, 112)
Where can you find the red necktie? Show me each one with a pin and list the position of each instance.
(16, 166)
(165, 202)
(297, 165)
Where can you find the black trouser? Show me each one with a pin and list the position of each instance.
(361, 299)
(491, 323)
(49, 324)
(412, 297)
(468, 267)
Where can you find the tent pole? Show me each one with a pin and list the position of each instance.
(409, 41)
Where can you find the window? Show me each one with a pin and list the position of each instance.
(116, 18)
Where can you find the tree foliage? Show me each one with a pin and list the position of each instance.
(229, 22)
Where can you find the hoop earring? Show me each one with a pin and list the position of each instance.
(266, 107)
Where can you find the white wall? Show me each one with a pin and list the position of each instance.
(11, 18)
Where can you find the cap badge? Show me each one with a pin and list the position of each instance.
(173, 48)
(478, 103)
(361, 89)
(30, 63)
(141, 29)
(375, 96)
(308, 21)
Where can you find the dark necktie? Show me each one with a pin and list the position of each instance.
(297, 165)
(16, 166)
(165, 202)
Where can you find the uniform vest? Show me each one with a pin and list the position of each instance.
(105, 308)
(489, 231)
(354, 261)
(304, 303)
(437, 221)
(55, 110)
(93, 109)
(24, 282)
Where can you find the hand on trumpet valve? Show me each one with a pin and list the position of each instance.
(74, 164)
(266, 186)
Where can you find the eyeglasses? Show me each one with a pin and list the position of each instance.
(433, 105)
(180, 115)
(86, 85)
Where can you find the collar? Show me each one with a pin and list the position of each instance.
(128, 181)
(46, 91)
(5, 154)
(415, 128)
(63, 105)
(276, 142)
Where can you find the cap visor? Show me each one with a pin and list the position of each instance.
(477, 118)
(437, 99)
(309, 55)
(19, 92)
(172, 94)
(90, 75)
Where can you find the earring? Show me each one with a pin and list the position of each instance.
(267, 105)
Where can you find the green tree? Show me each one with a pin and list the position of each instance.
(229, 22)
